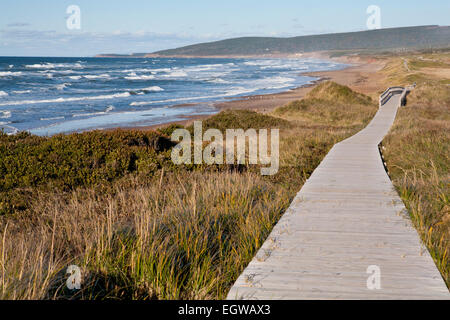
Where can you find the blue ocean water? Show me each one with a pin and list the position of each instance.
(47, 96)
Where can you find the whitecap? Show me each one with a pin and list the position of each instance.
(259, 63)
(142, 77)
(276, 82)
(205, 67)
(62, 86)
(218, 80)
(145, 90)
(5, 114)
(142, 70)
(69, 71)
(99, 76)
(3, 94)
(176, 74)
(107, 110)
(40, 66)
(21, 91)
(9, 73)
(59, 100)
(50, 119)
(48, 65)
(232, 92)
(153, 89)
(160, 70)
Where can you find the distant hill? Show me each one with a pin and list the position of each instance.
(419, 37)
(406, 37)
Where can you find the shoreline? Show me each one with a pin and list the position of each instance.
(356, 76)
(263, 103)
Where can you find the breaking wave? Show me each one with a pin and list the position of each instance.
(60, 100)
(10, 74)
(5, 114)
(107, 110)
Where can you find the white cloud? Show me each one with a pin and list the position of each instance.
(50, 42)
(25, 41)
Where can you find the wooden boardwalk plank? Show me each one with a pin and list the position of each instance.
(346, 217)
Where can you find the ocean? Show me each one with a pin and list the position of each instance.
(47, 96)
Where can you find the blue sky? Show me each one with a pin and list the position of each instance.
(38, 28)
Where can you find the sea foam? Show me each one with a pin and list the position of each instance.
(97, 76)
(107, 110)
(54, 65)
(142, 77)
(10, 74)
(5, 114)
(60, 100)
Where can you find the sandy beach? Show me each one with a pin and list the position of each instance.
(361, 76)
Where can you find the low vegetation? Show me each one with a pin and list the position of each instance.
(65, 162)
(417, 151)
(330, 104)
(138, 226)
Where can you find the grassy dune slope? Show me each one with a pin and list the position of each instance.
(417, 149)
(140, 227)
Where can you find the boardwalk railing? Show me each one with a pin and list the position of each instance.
(386, 95)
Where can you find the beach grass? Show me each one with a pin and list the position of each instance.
(142, 228)
(417, 151)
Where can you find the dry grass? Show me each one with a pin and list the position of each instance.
(183, 234)
(188, 233)
(417, 156)
(330, 104)
(182, 237)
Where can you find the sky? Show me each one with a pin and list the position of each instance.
(39, 28)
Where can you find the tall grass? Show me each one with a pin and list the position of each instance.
(417, 156)
(183, 237)
(170, 232)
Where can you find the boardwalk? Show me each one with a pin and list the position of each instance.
(346, 218)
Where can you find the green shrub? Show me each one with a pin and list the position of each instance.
(66, 162)
(242, 119)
